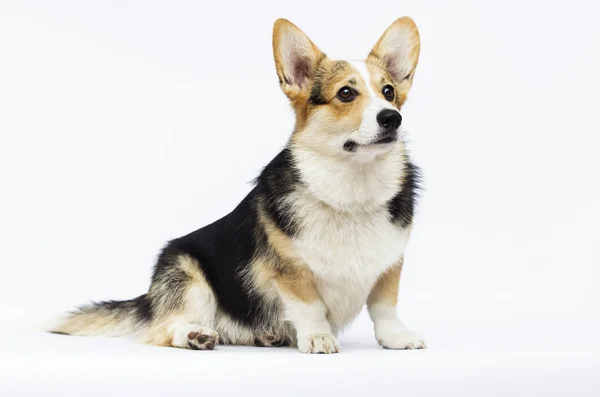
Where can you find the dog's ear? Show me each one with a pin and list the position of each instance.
(296, 57)
(398, 49)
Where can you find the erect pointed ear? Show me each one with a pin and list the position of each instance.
(398, 48)
(296, 57)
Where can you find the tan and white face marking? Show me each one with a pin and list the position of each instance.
(347, 109)
(374, 81)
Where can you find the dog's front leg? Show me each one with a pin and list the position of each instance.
(305, 309)
(390, 332)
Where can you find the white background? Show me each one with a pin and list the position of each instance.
(127, 123)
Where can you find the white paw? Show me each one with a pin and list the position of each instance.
(318, 343)
(401, 339)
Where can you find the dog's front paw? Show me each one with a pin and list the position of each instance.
(318, 343)
(400, 339)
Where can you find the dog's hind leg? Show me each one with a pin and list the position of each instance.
(183, 306)
(178, 332)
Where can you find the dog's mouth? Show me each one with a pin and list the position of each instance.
(351, 146)
(386, 139)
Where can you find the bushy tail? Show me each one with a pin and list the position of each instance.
(111, 318)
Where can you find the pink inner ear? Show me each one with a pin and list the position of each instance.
(392, 66)
(301, 69)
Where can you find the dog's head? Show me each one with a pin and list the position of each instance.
(347, 109)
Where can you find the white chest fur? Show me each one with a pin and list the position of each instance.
(347, 253)
(346, 236)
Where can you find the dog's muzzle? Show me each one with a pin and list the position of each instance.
(389, 121)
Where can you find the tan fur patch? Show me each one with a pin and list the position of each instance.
(263, 272)
(278, 240)
(191, 267)
(387, 286)
(297, 282)
(286, 270)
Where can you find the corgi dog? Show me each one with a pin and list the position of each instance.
(322, 233)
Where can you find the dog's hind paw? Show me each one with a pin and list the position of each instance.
(195, 337)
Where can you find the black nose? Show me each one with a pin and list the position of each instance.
(389, 119)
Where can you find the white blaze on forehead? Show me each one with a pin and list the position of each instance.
(361, 66)
(376, 100)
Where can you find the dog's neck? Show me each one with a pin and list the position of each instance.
(350, 184)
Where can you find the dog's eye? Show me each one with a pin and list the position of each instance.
(388, 92)
(346, 94)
